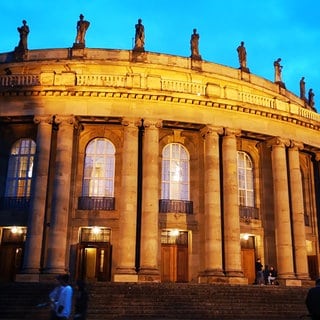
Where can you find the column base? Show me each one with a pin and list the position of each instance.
(149, 275)
(27, 277)
(125, 278)
(125, 275)
(290, 282)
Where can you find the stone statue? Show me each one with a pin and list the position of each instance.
(139, 36)
(277, 70)
(311, 99)
(242, 55)
(82, 27)
(23, 31)
(194, 45)
(302, 89)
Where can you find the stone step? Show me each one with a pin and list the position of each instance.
(158, 301)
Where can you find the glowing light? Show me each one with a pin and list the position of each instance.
(245, 236)
(15, 230)
(174, 233)
(96, 230)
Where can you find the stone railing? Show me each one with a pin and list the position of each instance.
(256, 99)
(19, 80)
(101, 80)
(183, 86)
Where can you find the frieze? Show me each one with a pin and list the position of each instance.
(305, 113)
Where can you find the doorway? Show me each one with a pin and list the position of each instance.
(248, 258)
(94, 262)
(94, 254)
(174, 256)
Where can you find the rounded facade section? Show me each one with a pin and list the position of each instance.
(151, 167)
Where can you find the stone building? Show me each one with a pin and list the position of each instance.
(118, 165)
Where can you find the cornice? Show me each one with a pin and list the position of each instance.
(166, 98)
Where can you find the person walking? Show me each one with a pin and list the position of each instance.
(61, 299)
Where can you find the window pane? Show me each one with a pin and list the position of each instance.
(245, 179)
(175, 172)
(20, 168)
(99, 169)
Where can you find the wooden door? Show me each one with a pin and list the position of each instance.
(94, 262)
(313, 267)
(248, 264)
(11, 262)
(174, 263)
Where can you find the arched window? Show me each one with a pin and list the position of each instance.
(99, 169)
(245, 180)
(175, 172)
(20, 169)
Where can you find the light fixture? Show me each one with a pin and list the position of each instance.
(174, 232)
(96, 230)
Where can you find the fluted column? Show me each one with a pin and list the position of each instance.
(57, 237)
(231, 219)
(299, 231)
(149, 264)
(212, 203)
(281, 208)
(125, 270)
(33, 245)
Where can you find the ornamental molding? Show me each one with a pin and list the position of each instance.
(295, 116)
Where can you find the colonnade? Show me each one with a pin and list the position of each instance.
(222, 223)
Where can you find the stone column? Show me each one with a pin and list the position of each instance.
(33, 245)
(125, 271)
(299, 231)
(231, 218)
(212, 205)
(149, 264)
(281, 208)
(58, 229)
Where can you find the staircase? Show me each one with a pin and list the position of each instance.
(160, 301)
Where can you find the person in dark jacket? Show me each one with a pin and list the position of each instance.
(313, 301)
(81, 301)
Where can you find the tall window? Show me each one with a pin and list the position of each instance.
(99, 169)
(175, 172)
(20, 168)
(245, 180)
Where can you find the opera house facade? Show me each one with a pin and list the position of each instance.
(128, 165)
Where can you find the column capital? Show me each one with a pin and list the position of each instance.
(131, 122)
(66, 119)
(209, 129)
(296, 145)
(278, 142)
(316, 153)
(48, 119)
(152, 122)
(232, 132)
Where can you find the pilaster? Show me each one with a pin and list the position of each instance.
(35, 234)
(125, 271)
(281, 208)
(232, 248)
(149, 264)
(297, 206)
(57, 233)
(212, 221)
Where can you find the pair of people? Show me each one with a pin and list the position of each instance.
(267, 276)
(61, 300)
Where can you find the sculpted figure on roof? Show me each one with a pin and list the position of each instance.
(82, 27)
(139, 36)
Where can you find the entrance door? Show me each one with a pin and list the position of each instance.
(94, 262)
(174, 263)
(248, 264)
(11, 262)
(313, 267)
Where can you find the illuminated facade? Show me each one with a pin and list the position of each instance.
(136, 166)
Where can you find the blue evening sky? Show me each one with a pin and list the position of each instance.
(271, 29)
